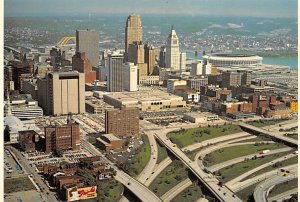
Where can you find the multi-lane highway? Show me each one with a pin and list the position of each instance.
(262, 190)
(222, 194)
(282, 138)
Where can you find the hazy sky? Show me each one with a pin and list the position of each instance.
(259, 8)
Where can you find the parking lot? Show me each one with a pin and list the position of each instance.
(38, 159)
(11, 168)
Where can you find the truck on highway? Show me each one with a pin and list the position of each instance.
(264, 151)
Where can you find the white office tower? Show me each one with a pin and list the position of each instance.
(207, 69)
(130, 74)
(172, 52)
(182, 61)
(197, 68)
(114, 72)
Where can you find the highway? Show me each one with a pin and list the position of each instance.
(262, 190)
(288, 140)
(224, 194)
(246, 174)
(216, 140)
(169, 195)
(46, 193)
(140, 190)
(146, 173)
(242, 185)
(284, 195)
(242, 158)
(157, 170)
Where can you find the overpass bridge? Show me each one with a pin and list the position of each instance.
(222, 194)
(286, 140)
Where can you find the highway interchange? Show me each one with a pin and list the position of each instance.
(139, 186)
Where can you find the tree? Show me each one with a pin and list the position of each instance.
(58, 152)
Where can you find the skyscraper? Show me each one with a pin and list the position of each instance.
(130, 75)
(83, 65)
(114, 72)
(133, 30)
(172, 51)
(136, 52)
(149, 58)
(62, 93)
(88, 41)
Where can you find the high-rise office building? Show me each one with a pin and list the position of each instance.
(62, 93)
(136, 52)
(130, 75)
(133, 30)
(114, 72)
(182, 61)
(197, 68)
(149, 58)
(123, 121)
(162, 57)
(83, 65)
(172, 51)
(88, 41)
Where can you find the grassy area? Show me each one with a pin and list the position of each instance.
(236, 170)
(228, 153)
(262, 122)
(92, 138)
(175, 173)
(277, 165)
(187, 137)
(192, 154)
(294, 136)
(283, 187)
(162, 153)
(247, 193)
(18, 184)
(140, 160)
(192, 193)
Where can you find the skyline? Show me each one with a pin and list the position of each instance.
(255, 8)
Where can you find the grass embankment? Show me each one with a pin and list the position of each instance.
(283, 187)
(257, 139)
(247, 193)
(262, 123)
(192, 193)
(277, 165)
(18, 184)
(140, 160)
(187, 137)
(173, 174)
(92, 138)
(238, 169)
(162, 153)
(294, 136)
(228, 153)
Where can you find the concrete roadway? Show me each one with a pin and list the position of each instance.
(261, 191)
(140, 190)
(222, 194)
(45, 189)
(242, 185)
(246, 174)
(157, 170)
(213, 148)
(169, 195)
(242, 158)
(284, 195)
(216, 140)
(263, 131)
(147, 171)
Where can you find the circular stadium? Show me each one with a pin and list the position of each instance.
(225, 59)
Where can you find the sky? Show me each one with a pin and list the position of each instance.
(242, 8)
